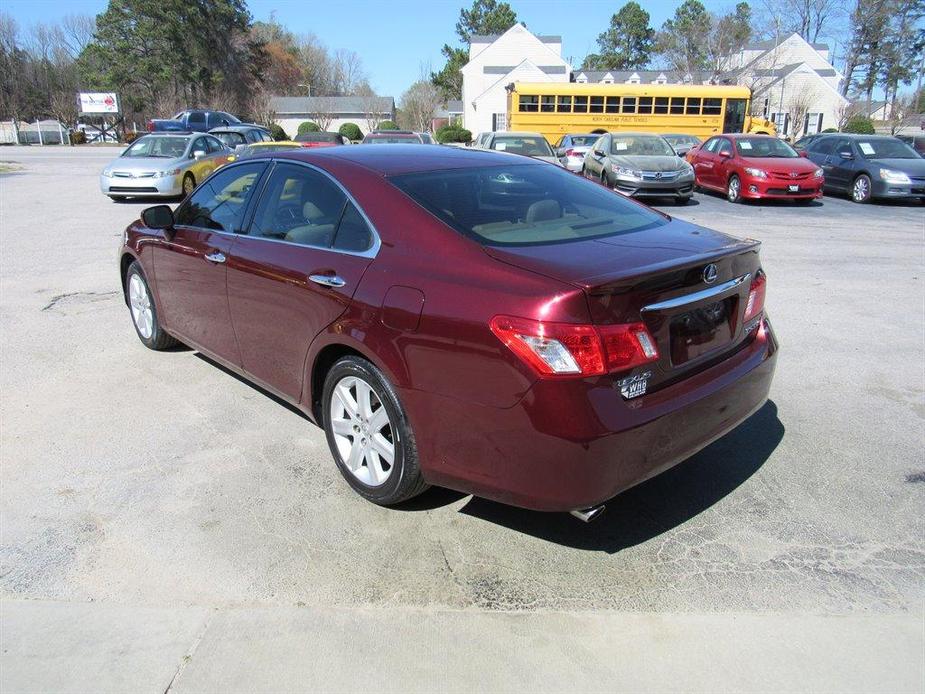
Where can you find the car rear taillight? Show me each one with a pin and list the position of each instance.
(756, 293)
(571, 153)
(150, 126)
(565, 349)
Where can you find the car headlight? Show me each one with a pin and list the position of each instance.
(891, 176)
(818, 173)
(686, 169)
(627, 173)
(107, 173)
(757, 173)
(165, 174)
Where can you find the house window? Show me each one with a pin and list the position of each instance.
(813, 124)
(677, 106)
(629, 104)
(581, 104)
(781, 121)
(499, 122)
(645, 104)
(529, 104)
(597, 104)
(547, 104)
(564, 104)
(661, 104)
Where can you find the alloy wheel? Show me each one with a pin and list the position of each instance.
(861, 189)
(140, 302)
(188, 185)
(363, 431)
(733, 192)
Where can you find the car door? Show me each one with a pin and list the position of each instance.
(840, 164)
(295, 271)
(703, 160)
(594, 161)
(723, 163)
(190, 264)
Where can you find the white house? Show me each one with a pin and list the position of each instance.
(791, 81)
(495, 61)
(331, 112)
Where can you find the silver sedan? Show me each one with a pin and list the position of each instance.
(163, 165)
(640, 165)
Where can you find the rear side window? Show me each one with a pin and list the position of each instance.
(523, 205)
(254, 136)
(220, 202)
(197, 118)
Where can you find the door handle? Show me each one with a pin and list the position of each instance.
(215, 257)
(327, 280)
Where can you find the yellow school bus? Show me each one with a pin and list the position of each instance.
(556, 109)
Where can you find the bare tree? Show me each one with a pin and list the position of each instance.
(418, 104)
(346, 72)
(370, 104)
(323, 112)
(260, 105)
(809, 18)
(902, 113)
(798, 106)
(846, 112)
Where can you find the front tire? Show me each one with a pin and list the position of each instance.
(604, 180)
(682, 200)
(144, 313)
(734, 189)
(860, 189)
(369, 434)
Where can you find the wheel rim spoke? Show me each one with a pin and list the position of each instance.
(362, 431)
(383, 448)
(379, 420)
(355, 459)
(342, 427)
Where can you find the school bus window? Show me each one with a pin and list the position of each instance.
(564, 105)
(613, 104)
(661, 104)
(547, 104)
(528, 103)
(693, 106)
(645, 104)
(581, 104)
(712, 107)
(629, 104)
(597, 104)
(677, 105)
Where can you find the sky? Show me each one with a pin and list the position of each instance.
(399, 38)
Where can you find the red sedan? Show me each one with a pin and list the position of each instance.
(470, 319)
(755, 167)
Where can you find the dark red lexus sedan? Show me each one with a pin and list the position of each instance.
(470, 319)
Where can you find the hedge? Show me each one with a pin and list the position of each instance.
(862, 125)
(388, 125)
(351, 131)
(277, 132)
(308, 127)
(453, 133)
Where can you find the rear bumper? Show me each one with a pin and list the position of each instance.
(765, 189)
(575, 444)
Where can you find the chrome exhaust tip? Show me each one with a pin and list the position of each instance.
(589, 514)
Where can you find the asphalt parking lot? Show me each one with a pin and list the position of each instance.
(194, 522)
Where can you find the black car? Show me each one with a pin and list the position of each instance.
(240, 135)
(869, 166)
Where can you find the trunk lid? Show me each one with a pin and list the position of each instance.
(659, 276)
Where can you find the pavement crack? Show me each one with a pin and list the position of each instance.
(188, 656)
(77, 297)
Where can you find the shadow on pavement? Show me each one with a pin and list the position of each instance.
(658, 505)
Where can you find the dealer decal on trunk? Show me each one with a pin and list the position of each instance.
(635, 385)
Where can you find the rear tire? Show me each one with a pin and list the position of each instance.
(369, 434)
(734, 189)
(141, 305)
(860, 189)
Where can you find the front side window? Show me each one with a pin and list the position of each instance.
(215, 145)
(254, 136)
(711, 144)
(219, 203)
(524, 204)
(530, 146)
(197, 118)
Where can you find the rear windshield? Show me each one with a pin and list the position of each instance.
(531, 146)
(157, 146)
(524, 205)
(231, 139)
(584, 140)
(640, 145)
(887, 148)
(765, 146)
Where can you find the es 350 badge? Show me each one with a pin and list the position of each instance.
(635, 385)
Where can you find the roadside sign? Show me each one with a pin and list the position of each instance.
(98, 103)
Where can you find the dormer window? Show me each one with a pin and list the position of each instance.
(634, 79)
(582, 78)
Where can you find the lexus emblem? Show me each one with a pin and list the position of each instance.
(709, 273)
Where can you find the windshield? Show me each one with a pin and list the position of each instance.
(584, 140)
(531, 146)
(681, 139)
(524, 204)
(157, 146)
(887, 148)
(765, 146)
(640, 145)
(231, 139)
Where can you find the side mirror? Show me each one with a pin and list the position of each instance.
(560, 152)
(725, 154)
(803, 153)
(846, 154)
(158, 217)
(198, 154)
(598, 153)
